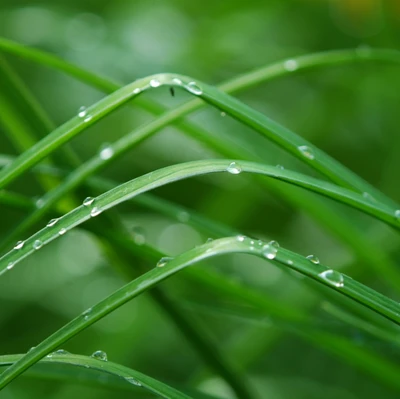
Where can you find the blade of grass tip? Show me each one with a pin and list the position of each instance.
(190, 169)
(332, 279)
(260, 300)
(294, 144)
(133, 377)
(204, 346)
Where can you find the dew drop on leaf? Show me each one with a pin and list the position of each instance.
(332, 277)
(234, 168)
(313, 259)
(100, 355)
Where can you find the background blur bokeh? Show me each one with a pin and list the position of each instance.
(349, 111)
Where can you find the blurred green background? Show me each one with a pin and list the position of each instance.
(349, 111)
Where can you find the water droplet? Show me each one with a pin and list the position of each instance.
(39, 203)
(183, 217)
(270, 250)
(106, 152)
(62, 231)
(209, 240)
(61, 352)
(194, 88)
(313, 259)
(88, 201)
(132, 381)
(368, 197)
(241, 238)
(397, 214)
(137, 90)
(10, 265)
(290, 262)
(280, 167)
(138, 235)
(306, 151)
(163, 261)
(223, 113)
(86, 313)
(100, 355)
(234, 168)
(52, 222)
(95, 212)
(332, 277)
(49, 355)
(82, 112)
(31, 349)
(37, 244)
(290, 65)
(19, 244)
(88, 118)
(155, 83)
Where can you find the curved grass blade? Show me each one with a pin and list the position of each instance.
(132, 377)
(178, 172)
(349, 287)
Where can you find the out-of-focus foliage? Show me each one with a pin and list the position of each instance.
(351, 112)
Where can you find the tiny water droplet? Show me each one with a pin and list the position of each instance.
(155, 83)
(82, 112)
(88, 201)
(37, 244)
(100, 355)
(223, 113)
(306, 151)
(61, 352)
(49, 355)
(88, 118)
(62, 231)
(95, 211)
(290, 65)
(280, 167)
(270, 250)
(39, 203)
(106, 151)
(52, 222)
(31, 349)
(397, 214)
(86, 313)
(132, 381)
(240, 238)
(234, 168)
(137, 90)
(163, 261)
(138, 235)
(290, 262)
(332, 277)
(194, 88)
(19, 244)
(313, 259)
(183, 217)
(10, 265)
(209, 240)
(177, 81)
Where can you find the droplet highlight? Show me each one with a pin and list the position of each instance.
(313, 259)
(133, 381)
(95, 212)
(52, 222)
(99, 355)
(193, 88)
(163, 261)
(397, 214)
(234, 168)
(155, 83)
(37, 244)
(19, 244)
(306, 151)
(332, 277)
(270, 250)
(88, 201)
(62, 231)
(82, 112)
(106, 152)
(290, 65)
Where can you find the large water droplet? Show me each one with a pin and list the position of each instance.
(332, 277)
(132, 381)
(270, 250)
(163, 261)
(37, 244)
(397, 214)
(106, 152)
(52, 222)
(313, 259)
(88, 201)
(62, 231)
(155, 83)
(234, 168)
(19, 244)
(194, 88)
(82, 112)
(95, 211)
(306, 151)
(290, 65)
(100, 355)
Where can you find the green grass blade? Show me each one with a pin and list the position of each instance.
(132, 377)
(349, 287)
